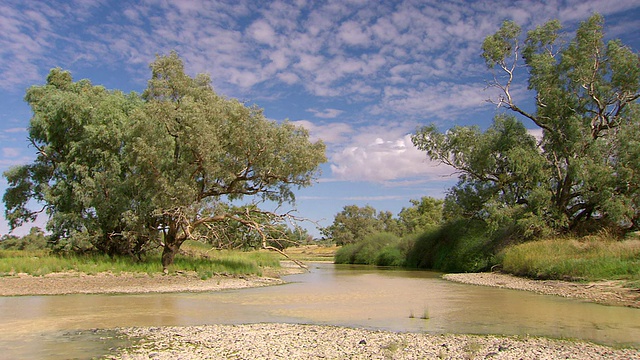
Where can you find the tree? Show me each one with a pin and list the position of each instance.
(423, 214)
(586, 103)
(34, 240)
(119, 169)
(354, 223)
(500, 169)
(197, 148)
(79, 175)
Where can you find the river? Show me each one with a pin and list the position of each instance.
(396, 300)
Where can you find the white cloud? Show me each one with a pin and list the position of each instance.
(15, 130)
(445, 100)
(262, 32)
(331, 133)
(10, 152)
(353, 33)
(325, 113)
(383, 160)
(536, 133)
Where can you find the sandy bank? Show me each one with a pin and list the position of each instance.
(602, 292)
(129, 283)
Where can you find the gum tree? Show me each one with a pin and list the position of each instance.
(196, 148)
(80, 175)
(354, 223)
(586, 104)
(118, 172)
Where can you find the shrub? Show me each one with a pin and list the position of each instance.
(367, 251)
(391, 255)
(346, 254)
(457, 246)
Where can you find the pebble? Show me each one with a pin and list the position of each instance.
(296, 341)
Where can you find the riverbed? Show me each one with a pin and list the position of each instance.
(347, 296)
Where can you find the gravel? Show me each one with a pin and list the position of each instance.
(602, 292)
(292, 341)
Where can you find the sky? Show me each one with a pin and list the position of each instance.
(360, 75)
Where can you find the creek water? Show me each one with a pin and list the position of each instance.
(397, 300)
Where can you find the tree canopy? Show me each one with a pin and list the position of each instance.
(584, 171)
(122, 170)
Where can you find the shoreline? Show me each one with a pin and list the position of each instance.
(601, 292)
(68, 283)
(297, 341)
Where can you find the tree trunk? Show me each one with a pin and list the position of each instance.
(171, 246)
(168, 253)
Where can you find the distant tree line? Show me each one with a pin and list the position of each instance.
(354, 223)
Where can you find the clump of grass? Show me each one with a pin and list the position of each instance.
(590, 259)
(423, 316)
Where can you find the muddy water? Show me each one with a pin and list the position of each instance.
(415, 301)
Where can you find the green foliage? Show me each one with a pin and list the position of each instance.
(35, 240)
(582, 176)
(374, 249)
(421, 216)
(353, 224)
(40, 263)
(122, 173)
(591, 259)
(391, 255)
(458, 246)
(501, 170)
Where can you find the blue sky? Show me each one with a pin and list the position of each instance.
(360, 75)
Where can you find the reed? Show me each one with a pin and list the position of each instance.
(591, 258)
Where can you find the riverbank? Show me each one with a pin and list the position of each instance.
(286, 340)
(293, 341)
(602, 292)
(137, 283)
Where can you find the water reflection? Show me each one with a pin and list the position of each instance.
(337, 295)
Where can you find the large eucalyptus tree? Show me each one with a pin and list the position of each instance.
(196, 148)
(586, 95)
(123, 169)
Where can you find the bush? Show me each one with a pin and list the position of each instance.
(35, 240)
(457, 246)
(391, 255)
(368, 250)
(346, 254)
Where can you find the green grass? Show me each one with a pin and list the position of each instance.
(590, 259)
(312, 252)
(202, 260)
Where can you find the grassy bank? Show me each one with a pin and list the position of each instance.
(312, 252)
(196, 257)
(459, 246)
(467, 246)
(589, 259)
